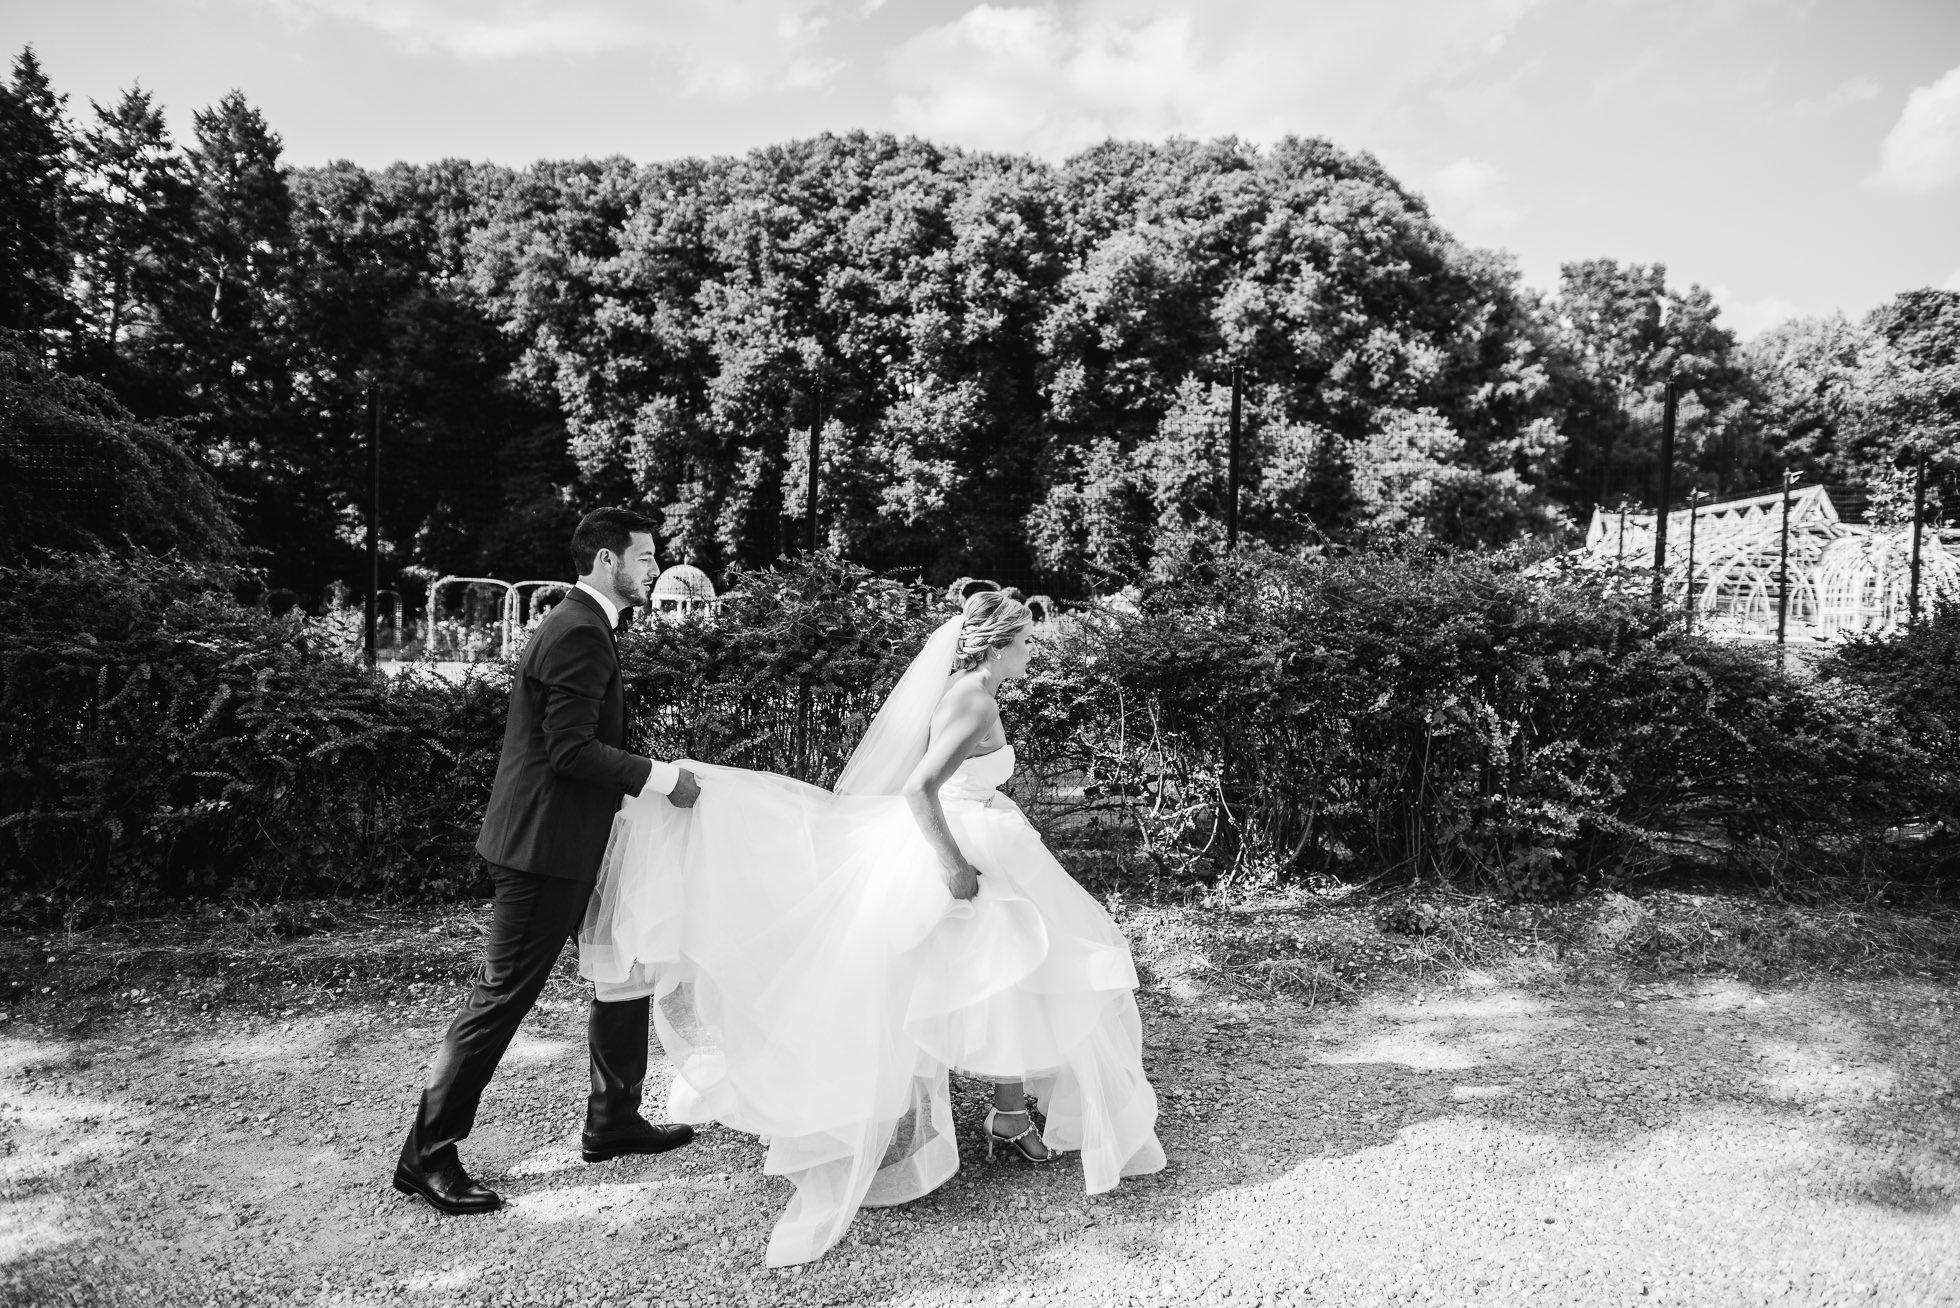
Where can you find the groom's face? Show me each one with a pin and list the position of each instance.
(632, 576)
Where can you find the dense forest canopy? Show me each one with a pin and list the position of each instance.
(1020, 369)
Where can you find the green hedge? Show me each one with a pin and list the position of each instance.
(1428, 716)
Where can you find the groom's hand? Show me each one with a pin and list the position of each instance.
(685, 791)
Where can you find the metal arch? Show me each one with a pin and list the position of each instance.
(1844, 577)
(436, 587)
(514, 602)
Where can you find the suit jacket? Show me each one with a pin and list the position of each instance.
(564, 765)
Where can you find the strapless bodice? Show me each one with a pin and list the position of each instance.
(980, 776)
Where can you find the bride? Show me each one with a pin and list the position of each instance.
(820, 960)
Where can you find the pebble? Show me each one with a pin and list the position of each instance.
(1488, 1146)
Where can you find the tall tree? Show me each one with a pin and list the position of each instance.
(473, 472)
(79, 471)
(1617, 333)
(1806, 378)
(1909, 409)
(227, 317)
(134, 232)
(1323, 277)
(36, 155)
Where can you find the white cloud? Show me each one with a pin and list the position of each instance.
(1846, 94)
(1470, 193)
(1952, 282)
(1747, 318)
(1058, 77)
(714, 47)
(1921, 154)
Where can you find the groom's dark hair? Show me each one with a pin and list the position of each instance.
(605, 529)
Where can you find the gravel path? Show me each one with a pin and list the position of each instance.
(1702, 1142)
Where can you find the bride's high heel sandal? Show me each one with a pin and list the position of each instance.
(1017, 1143)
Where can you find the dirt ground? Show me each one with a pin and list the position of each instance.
(1538, 1110)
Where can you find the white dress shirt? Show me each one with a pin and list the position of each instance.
(665, 776)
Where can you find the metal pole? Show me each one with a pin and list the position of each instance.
(1694, 514)
(1667, 490)
(373, 517)
(1783, 569)
(1620, 550)
(816, 449)
(800, 741)
(1232, 470)
(1918, 518)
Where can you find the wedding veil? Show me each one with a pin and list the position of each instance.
(896, 739)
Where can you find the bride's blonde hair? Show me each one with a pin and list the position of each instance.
(989, 621)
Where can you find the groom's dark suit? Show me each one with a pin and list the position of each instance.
(559, 781)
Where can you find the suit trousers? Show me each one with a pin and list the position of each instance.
(533, 918)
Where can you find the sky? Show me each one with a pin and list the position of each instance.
(1792, 156)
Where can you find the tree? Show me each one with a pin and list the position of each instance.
(689, 319)
(135, 214)
(1616, 334)
(36, 153)
(474, 475)
(1806, 379)
(225, 322)
(1909, 402)
(78, 471)
(1321, 275)
(1912, 386)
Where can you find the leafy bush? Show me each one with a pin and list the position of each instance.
(1443, 716)
(1427, 715)
(159, 739)
(78, 471)
(1915, 674)
(786, 676)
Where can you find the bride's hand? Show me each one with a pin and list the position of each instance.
(963, 881)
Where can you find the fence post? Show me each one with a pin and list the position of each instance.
(1918, 519)
(373, 517)
(1694, 514)
(1783, 570)
(1667, 489)
(1232, 469)
(816, 448)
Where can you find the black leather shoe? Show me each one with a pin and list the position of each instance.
(447, 1187)
(638, 1137)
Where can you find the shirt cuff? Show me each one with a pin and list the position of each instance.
(662, 780)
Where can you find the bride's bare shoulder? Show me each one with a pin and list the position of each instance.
(966, 700)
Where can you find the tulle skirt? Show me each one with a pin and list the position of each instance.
(813, 982)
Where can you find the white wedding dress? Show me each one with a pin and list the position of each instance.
(813, 980)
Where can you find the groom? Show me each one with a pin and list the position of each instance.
(559, 781)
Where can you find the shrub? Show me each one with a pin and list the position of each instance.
(159, 739)
(1426, 715)
(1443, 716)
(77, 471)
(162, 740)
(1915, 675)
(786, 676)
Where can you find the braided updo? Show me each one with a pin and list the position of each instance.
(989, 621)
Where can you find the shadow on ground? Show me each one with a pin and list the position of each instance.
(1481, 1136)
